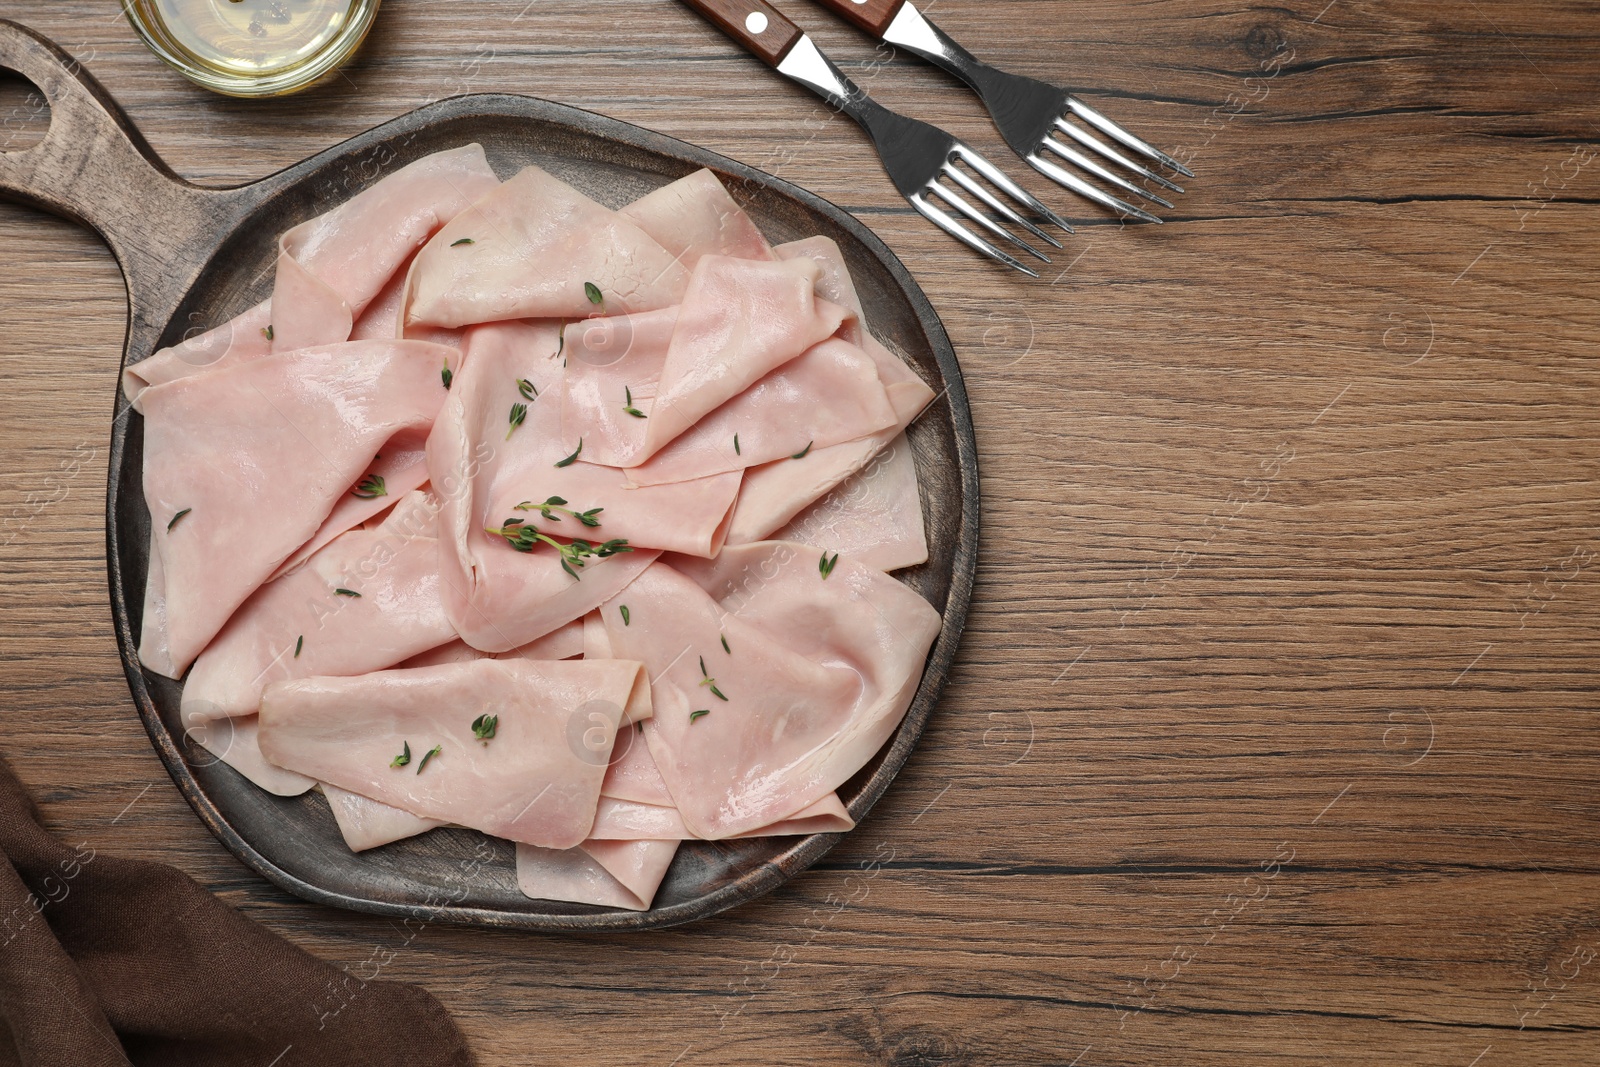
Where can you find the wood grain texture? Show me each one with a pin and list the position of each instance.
(1290, 512)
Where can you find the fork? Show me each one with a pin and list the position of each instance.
(915, 154)
(1027, 112)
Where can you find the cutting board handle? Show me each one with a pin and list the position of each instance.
(94, 167)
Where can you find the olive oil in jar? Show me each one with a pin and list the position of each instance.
(253, 47)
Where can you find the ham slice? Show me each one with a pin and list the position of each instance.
(611, 874)
(527, 250)
(499, 598)
(331, 267)
(367, 824)
(827, 395)
(402, 466)
(694, 217)
(536, 781)
(300, 626)
(238, 340)
(818, 674)
(254, 457)
(873, 517)
(237, 742)
(739, 320)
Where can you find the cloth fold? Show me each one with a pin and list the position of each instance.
(107, 961)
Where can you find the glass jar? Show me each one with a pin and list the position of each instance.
(253, 47)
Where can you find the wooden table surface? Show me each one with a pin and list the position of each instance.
(1272, 738)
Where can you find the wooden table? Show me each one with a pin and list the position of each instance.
(1272, 736)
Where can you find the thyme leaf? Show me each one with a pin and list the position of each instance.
(463, 241)
(432, 752)
(626, 621)
(370, 488)
(519, 413)
(404, 758)
(736, 449)
(592, 291)
(447, 375)
(267, 331)
(176, 517)
(825, 565)
(570, 460)
(628, 407)
(347, 592)
(527, 390)
(804, 451)
(299, 643)
(694, 715)
(725, 647)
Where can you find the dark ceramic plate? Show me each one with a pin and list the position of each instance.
(194, 257)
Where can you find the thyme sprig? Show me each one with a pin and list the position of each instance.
(524, 538)
(370, 488)
(266, 331)
(549, 508)
(628, 407)
(484, 726)
(432, 752)
(526, 388)
(709, 682)
(825, 565)
(404, 758)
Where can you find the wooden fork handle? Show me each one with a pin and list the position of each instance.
(873, 16)
(756, 24)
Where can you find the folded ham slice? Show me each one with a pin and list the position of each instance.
(497, 597)
(816, 674)
(528, 250)
(774, 493)
(331, 267)
(694, 216)
(365, 823)
(400, 467)
(873, 517)
(537, 780)
(302, 625)
(611, 874)
(739, 320)
(827, 395)
(243, 464)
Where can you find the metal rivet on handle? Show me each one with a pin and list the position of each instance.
(755, 22)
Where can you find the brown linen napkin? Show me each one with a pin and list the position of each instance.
(107, 961)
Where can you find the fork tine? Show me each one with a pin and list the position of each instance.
(995, 204)
(1007, 186)
(1112, 130)
(1093, 143)
(1072, 155)
(1084, 189)
(966, 236)
(954, 200)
